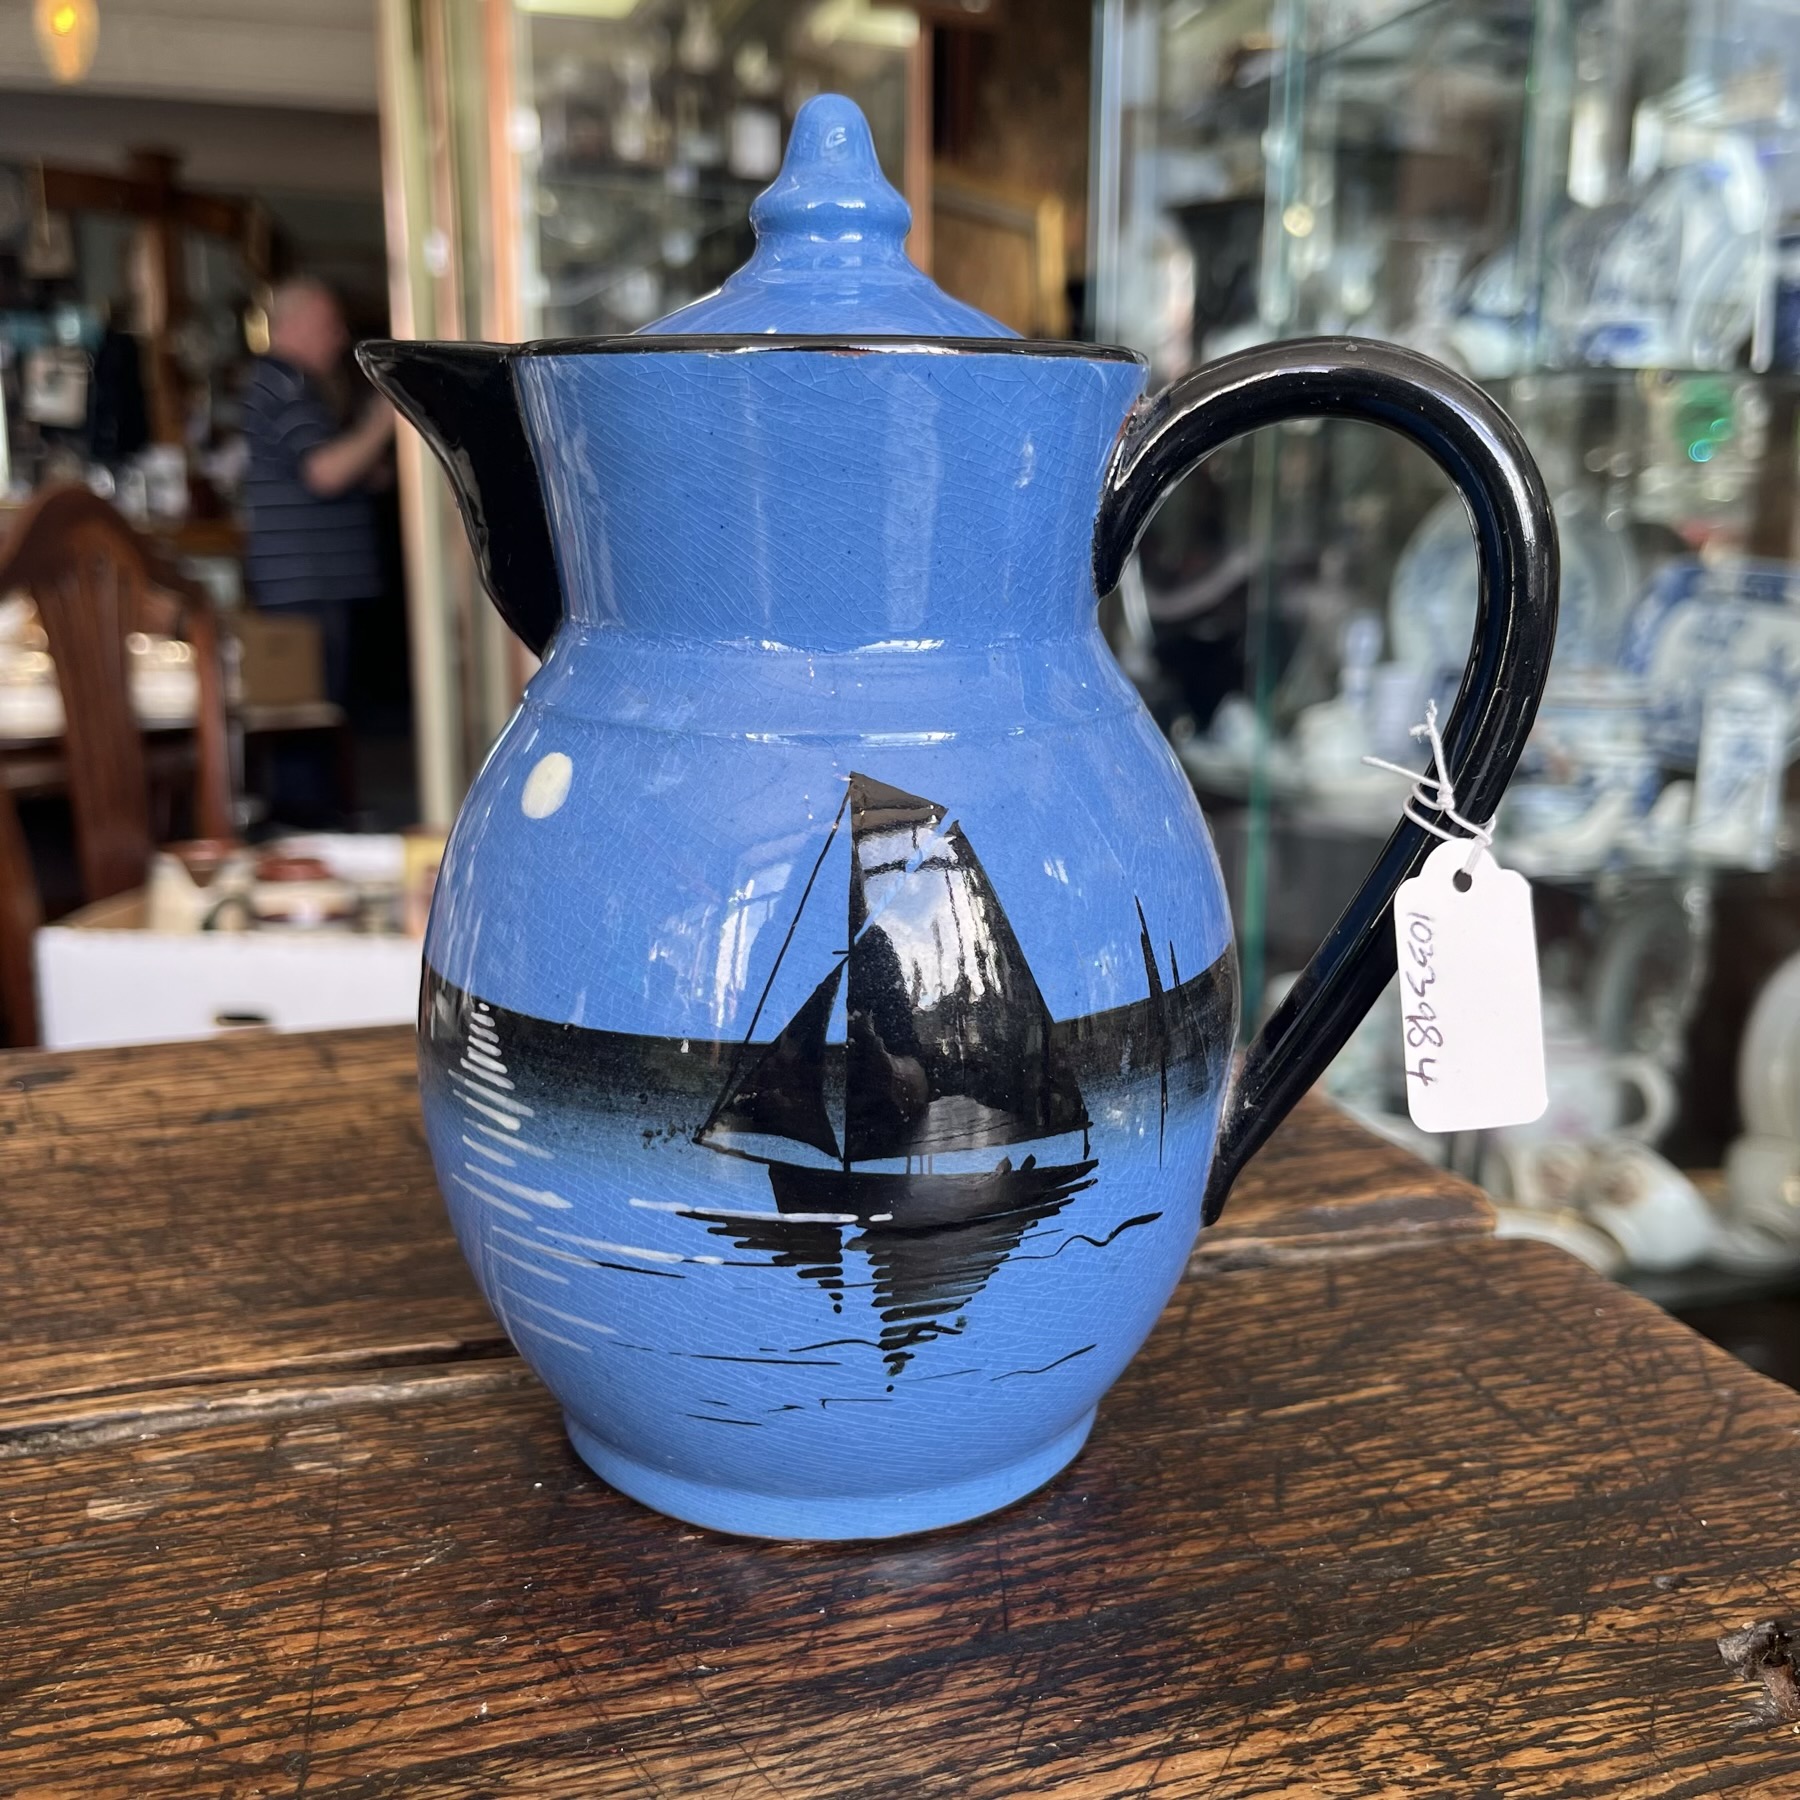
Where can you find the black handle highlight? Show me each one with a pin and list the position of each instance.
(1480, 449)
(461, 399)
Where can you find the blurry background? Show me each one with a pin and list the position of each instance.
(1591, 206)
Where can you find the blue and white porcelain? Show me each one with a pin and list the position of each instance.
(1670, 276)
(1703, 622)
(1431, 602)
(829, 1002)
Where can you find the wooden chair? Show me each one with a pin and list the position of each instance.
(96, 580)
(19, 919)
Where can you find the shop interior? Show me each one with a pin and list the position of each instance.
(1590, 207)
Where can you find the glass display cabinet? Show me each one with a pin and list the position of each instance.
(1593, 208)
(559, 168)
(657, 128)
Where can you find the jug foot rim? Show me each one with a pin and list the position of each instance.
(829, 1518)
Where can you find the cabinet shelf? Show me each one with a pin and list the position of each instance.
(714, 188)
(1507, 185)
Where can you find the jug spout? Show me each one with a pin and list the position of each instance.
(461, 399)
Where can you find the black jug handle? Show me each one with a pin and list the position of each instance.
(1480, 449)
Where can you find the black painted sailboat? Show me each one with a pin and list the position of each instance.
(949, 1049)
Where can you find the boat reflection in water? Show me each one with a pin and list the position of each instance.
(920, 1118)
(949, 1051)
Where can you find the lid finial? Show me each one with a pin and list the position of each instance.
(831, 191)
(830, 256)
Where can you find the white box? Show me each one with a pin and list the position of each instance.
(103, 979)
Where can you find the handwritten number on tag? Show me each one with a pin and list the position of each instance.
(1421, 1022)
(1467, 958)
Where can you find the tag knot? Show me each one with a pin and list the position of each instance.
(1437, 791)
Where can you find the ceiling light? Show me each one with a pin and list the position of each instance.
(68, 33)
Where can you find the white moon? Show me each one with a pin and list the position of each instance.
(547, 786)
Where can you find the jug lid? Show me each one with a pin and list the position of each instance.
(830, 258)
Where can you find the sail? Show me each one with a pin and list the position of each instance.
(782, 1094)
(949, 1045)
(888, 827)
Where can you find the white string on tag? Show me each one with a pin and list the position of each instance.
(1472, 1029)
(1438, 792)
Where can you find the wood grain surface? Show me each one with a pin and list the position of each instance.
(1464, 1522)
(1386, 1508)
(245, 1209)
(1325, 1187)
(221, 1211)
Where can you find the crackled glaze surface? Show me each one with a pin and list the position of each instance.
(787, 571)
(829, 993)
(897, 499)
(830, 248)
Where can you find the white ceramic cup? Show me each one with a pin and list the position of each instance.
(1568, 1231)
(1589, 1089)
(1535, 1176)
(1769, 1057)
(1660, 1219)
(1762, 1184)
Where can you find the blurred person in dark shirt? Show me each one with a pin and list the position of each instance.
(313, 549)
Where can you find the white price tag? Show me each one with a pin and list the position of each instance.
(1472, 1022)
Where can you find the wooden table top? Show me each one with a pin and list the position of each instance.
(1386, 1507)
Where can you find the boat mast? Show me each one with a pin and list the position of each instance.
(762, 999)
(1160, 1023)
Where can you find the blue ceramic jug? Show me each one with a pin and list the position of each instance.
(829, 998)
